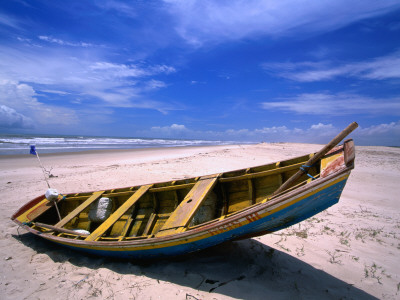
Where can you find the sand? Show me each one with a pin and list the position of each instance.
(349, 251)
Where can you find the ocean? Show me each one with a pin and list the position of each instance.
(20, 144)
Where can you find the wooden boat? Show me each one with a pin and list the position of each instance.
(182, 216)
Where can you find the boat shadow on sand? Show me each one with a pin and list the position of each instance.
(244, 269)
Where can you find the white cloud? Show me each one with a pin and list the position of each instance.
(19, 102)
(381, 134)
(19, 96)
(321, 126)
(380, 68)
(55, 92)
(315, 133)
(157, 69)
(173, 129)
(85, 74)
(63, 42)
(387, 134)
(336, 104)
(113, 70)
(155, 84)
(10, 118)
(393, 127)
(318, 133)
(177, 131)
(201, 21)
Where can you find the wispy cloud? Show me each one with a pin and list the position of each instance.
(201, 21)
(63, 42)
(336, 104)
(86, 74)
(380, 68)
(129, 70)
(113, 70)
(9, 21)
(155, 84)
(119, 6)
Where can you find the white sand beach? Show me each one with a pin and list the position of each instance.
(349, 251)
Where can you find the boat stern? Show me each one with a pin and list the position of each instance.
(338, 159)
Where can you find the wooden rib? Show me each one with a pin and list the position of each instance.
(262, 173)
(79, 209)
(150, 224)
(127, 225)
(225, 201)
(184, 213)
(153, 217)
(251, 188)
(118, 213)
(126, 228)
(251, 191)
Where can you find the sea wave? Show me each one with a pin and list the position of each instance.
(49, 144)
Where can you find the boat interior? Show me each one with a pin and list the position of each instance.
(166, 208)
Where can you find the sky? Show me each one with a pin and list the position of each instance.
(237, 70)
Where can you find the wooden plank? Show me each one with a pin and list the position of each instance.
(183, 214)
(262, 173)
(118, 213)
(150, 223)
(171, 188)
(79, 209)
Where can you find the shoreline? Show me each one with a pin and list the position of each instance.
(165, 148)
(106, 151)
(15, 144)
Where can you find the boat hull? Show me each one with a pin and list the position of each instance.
(259, 220)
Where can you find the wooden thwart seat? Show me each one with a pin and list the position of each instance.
(79, 209)
(118, 213)
(184, 213)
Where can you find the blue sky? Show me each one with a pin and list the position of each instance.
(296, 71)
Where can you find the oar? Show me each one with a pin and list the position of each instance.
(317, 156)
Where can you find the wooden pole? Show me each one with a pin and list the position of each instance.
(317, 156)
(58, 229)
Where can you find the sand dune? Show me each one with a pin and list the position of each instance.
(349, 251)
